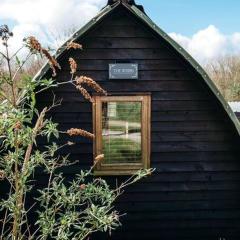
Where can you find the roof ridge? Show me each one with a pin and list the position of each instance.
(141, 15)
(129, 2)
(191, 61)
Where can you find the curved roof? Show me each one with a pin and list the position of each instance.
(144, 18)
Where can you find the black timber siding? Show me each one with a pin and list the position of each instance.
(195, 192)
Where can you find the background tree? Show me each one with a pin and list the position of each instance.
(225, 72)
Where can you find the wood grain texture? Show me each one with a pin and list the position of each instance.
(195, 192)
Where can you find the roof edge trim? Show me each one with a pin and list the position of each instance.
(142, 16)
(75, 36)
(190, 60)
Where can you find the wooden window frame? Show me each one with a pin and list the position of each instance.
(102, 169)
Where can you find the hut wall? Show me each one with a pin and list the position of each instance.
(195, 191)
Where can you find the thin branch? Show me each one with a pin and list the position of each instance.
(54, 103)
(16, 52)
(56, 85)
(10, 73)
(36, 128)
(3, 55)
(36, 231)
(6, 97)
(17, 212)
(21, 66)
(5, 218)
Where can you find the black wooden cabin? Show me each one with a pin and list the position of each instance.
(192, 139)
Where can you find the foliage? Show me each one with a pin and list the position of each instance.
(130, 112)
(68, 210)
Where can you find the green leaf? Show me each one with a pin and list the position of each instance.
(33, 102)
(18, 61)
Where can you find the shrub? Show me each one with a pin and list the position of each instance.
(68, 210)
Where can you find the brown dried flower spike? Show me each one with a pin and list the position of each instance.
(52, 61)
(85, 93)
(99, 158)
(80, 132)
(73, 65)
(2, 175)
(74, 45)
(34, 45)
(91, 83)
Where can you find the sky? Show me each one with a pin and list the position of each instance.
(206, 29)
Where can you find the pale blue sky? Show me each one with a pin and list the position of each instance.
(189, 16)
(207, 29)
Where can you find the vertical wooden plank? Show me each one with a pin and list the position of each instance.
(98, 129)
(146, 128)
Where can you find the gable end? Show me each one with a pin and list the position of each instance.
(147, 21)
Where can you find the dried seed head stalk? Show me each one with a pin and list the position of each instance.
(80, 132)
(2, 175)
(73, 65)
(85, 93)
(99, 158)
(5, 34)
(91, 83)
(34, 45)
(52, 61)
(74, 45)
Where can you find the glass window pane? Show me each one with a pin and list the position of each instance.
(121, 132)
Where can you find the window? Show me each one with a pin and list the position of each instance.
(122, 130)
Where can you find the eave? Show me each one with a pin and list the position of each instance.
(145, 19)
